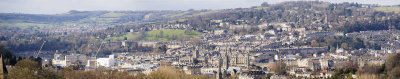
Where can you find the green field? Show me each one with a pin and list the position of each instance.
(129, 36)
(104, 19)
(168, 35)
(388, 9)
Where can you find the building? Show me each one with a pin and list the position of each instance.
(67, 60)
(75, 58)
(106, 62)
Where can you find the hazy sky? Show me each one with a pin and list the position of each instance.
(62, 6)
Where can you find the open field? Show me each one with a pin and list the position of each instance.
(166, 35)
(388, 9)
(159, 35)
(129, 36)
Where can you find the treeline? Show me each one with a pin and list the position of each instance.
(366, 25)
(28, 69)
(8, 57)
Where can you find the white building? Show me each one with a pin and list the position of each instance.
(245, 76)
(208, 70)
(61, 63)
(67, 60)
(106, 62)
(59, 60)
(302, 62)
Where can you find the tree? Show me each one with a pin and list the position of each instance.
(5, 52)
(372, 69)
(270, 27)
(166, 72)
(394, 73)
(344, 45)
(195, 42)
(347, 67)
(392, 61)
(28, 69)
(264, 4)
(160, 49)
(161, 34)
(125, 38)
(12, 61)
(26, 63)
(278, 68)
(393, 66)
(314, 43)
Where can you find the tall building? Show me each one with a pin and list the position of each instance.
(219, 72)
(248, 59)
(226, 59)
(196, 53)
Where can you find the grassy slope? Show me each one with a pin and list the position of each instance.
(104, 19)
(151, 35)
(388, 9)
(129, 36)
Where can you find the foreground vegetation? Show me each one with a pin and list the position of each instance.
(389, 70)
(28, 69)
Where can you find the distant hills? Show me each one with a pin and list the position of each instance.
(90, 18)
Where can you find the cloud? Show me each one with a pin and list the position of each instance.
(62, 6)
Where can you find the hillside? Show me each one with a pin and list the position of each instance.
(158, 35)
(25, 30)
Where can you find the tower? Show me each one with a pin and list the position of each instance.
(227, 60)
(248, 59)
(196, 53)
(219, 72)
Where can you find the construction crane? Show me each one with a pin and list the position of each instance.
(37, 55)
(98, 49)
(92, 60)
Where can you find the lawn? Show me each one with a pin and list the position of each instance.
(168, 35)
(129, 36)
(103, 19)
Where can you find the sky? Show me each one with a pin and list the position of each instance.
(62, 6)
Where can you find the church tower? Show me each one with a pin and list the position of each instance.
(247, 59)
(196, 53)
(219, 72)
(226, 59)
